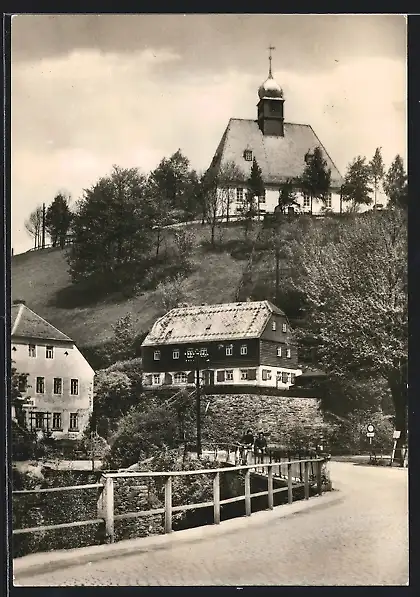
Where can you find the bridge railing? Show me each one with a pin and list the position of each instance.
(106, 493)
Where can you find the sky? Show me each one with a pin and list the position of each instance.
(91, 91)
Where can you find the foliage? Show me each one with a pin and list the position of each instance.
(58, 219)
(213, 198)
(112, 229)
(184, 240)
(33, 226)
(395, 184)
(124, 338)
(229, 174)
(316, 177)
(356, 188)
(349, 435)
(377, 170)
(354, 277)
(287, 196)
(255, 189)
(112, 400)
(172, 293)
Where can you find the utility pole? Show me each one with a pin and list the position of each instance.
(43, 225)
(198, 408)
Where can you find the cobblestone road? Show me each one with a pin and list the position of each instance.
(361, 539)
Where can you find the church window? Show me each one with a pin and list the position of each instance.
(239, 194)
(262, 197)
(328, 201)
(306, 200)
(248, 155)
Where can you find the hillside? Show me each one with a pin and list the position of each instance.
(42, 280)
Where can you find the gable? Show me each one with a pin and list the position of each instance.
(279, 157)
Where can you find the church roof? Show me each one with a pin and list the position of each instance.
(279, 157)
(27, 324)
(227, 321)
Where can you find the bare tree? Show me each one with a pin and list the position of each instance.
(229, 174)
(33, 226)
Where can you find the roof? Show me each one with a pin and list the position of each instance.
(226, 321)
(27, 324)
(279, 157)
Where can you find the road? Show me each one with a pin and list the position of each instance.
(359, 539)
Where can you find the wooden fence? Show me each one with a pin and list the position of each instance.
(105, 500)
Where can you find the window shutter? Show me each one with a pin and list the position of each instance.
(191, 377)
(168, 379)
(264, 374)
(220, 376)
(252, 374)
(147, 380)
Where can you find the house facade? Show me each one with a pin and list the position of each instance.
(59, 389)
(248, 343)
(280, 149)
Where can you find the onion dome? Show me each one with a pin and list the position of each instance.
(270, 88)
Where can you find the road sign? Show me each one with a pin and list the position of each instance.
(370, 428)
(397, 434)
(370, 434)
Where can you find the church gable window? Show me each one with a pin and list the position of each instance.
(239, 194)
(306, 200)
(248, 155)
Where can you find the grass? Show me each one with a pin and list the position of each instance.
(42, 280)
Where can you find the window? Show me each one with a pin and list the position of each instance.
(74, 387)
(190, 353)
(49, 352)
(262, 197)
(156, 379)
(239, 194)
(288, 353)
(244, 374)
(156, 355)
(284, 328)
(229, 350)
(180, 377)
(279, 351)
(56, 423)
(32, 350)
(274, 325)
(229, 375)
(306, 200)
(40, 385)
(74, 422)
(220, 376)
(266, 374)
(278, 376)
(58, 385)
(244, 349)
(203, 352)
(39, 420)
(284, 377)
(175, 354)
(22, 384)
(248, 155)
(328, 201)
(292, 378)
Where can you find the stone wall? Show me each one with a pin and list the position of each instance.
(282, 418)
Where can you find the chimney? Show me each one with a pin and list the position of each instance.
(19, 302)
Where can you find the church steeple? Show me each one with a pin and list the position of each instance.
(270, 106)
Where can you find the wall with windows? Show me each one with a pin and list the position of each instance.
(60, 385)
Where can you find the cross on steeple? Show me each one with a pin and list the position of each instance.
(270, 48)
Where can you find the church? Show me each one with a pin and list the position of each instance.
(278, 146)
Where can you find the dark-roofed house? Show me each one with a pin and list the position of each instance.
(280, 149)
(60, 380)
(248, 343)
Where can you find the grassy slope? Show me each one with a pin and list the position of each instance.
(41, 279)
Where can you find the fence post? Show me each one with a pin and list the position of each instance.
(289, 483)
(216, 498)
(168, 505)
(319, 477)
(306, 473)
(106, 507)
(248, 492)
(270, 488)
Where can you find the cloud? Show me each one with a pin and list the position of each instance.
(75, 116)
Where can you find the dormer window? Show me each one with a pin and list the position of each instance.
(284, 328)
(229, 350)
(156, 355)
(248, 155)
(274, 325)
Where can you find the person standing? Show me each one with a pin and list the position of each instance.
(260, 448)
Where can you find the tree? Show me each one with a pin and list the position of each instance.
(112, 230)
(354, 279)
(395, 184)
(33, 225)
(287, 196)
(316, 177)
(113, 399)
(58, 220)
(377, 170)
(356, 188)
(255, 189)
(228, 175)
(19, 385)
(213, 200)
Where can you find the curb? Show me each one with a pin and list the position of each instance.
(40, 563)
